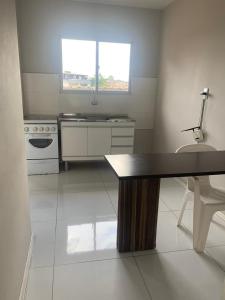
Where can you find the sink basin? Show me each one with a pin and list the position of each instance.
(66, 116)
(97, 118)
(86, 117)
(83, 117)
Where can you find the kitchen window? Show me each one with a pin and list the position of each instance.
(95, 66)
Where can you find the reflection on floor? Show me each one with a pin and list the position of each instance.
(74, 256)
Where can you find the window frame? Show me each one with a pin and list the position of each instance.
(96, 90)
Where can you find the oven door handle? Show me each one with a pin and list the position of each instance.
(40, 143)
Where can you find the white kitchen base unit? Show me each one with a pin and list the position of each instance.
(42, 166)
(88, 141)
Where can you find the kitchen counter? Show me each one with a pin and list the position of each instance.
(91, 136)
(86, 117)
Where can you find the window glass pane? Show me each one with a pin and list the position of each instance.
(114, 66)
(79, 64)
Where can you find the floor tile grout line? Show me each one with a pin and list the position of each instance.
(111, 202)
(56, 222)
(161, 199)
(201, 254)
(143, 279)
(120, 258)
(108, 259)
(215, 246)
(42, 267)
(173, 212)
(108, 194)
(181, 185)
(173, 251)
(164, 252)
(92, 261)
(215, 261)
(170, 209)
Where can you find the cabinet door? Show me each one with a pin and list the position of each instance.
(99, 141)
(74, 141)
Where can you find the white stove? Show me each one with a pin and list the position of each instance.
(41, 138)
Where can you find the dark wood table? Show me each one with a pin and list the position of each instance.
(139, 186)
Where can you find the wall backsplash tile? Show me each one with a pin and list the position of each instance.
(42, 95)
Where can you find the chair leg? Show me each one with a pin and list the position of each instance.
(185, 201)
(201, 224)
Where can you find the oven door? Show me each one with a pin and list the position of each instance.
(41, 146)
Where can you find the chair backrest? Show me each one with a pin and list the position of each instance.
(203, 180)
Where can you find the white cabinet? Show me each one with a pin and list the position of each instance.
(74, 141)
(124, 131)
(93, 140)
(99, 141)
(122, 140)
(122, 150)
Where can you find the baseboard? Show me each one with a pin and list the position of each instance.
(26, 271)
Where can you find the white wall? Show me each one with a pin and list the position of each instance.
(193, 57)
(14, 217)
(42, 24)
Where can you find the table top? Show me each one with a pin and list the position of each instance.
(167, 164)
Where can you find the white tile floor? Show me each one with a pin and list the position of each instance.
(74, 256)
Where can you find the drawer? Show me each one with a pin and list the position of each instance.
(126, 131)
(122, 141)
(121, 150)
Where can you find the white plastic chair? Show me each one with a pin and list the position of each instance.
(207, 200)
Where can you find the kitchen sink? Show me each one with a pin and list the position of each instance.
(86, 117)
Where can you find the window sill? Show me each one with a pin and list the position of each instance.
(91, 93)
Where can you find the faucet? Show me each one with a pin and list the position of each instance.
(94, 100)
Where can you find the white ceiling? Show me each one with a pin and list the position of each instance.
(155, 4)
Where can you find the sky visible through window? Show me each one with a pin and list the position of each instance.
(114, 60)
(79, 57)
(79, 65)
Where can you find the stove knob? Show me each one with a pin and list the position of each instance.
(35, 129)
(53, 129)
(47, 129)
(26, 129)
(41, 129)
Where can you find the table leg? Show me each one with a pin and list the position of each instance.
(137, 214)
